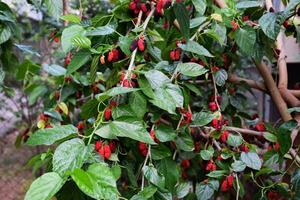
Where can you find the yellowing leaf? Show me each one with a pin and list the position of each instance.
(41, 124)
(217, 17)
(63, 107)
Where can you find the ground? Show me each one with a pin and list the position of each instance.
(15, 178)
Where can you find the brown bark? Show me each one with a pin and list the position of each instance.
(253, 84)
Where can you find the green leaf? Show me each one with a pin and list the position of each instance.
(53, 114)
(69, 155)
(220, 77)
(202, 118)
(245, 39)
(124, 43)
(55, 8)
(191, 69)
(71, 18)
(195, 22)
(247, 4)
(200, 6)
(185, 142)
(169, 169)
(37, 92)
(207, 154)
(44, 187)
(25, 67)
(252, 160)
(130, 128)
(81, 41)
(295, 180)
(217, 32)
(5, 34)
(270, 137)
(138, 104)
(145, 87)
(284, 140)
(290, 8)
(217, 173)
(55, 70)
(270, 24)
(234, 140)
(79, 59)
(97, 182)
(160, 152)
(145, 194)
(114, 92)
(68, 34)
(102, 30)
(122, 111)
(49, 136)
(183, 18)
(238, 166)
(93, 70)
(182, 189)
(194, 47)
(168, 98)
(295, 109)
(156, 78)
(153, 176)
(89, 109)
(164, 133)
(204, 191)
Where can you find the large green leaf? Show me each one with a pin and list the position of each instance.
(238, 166)
(153, 176)
(234, 140)
(194, 47)
(183, 18)
(138, 103)
(200, 6)
(49, 136)
(37, 92)
(97, 182)
(156, 78)
(270, 24)
(114, 92)
(55, 70)
(165, 133)
(93, 69)
(131, 128)
(197, 21)
(204, 191)
(182, 189)
(207, 154)
(102, 30)
(44, 187)
(191, 69)
(68, 34)
(220, 77)
(168, 98)
(245, 39)
(69, 155)
(55, 8)
(79, 59)
(247, 4)
(81, 41)
(145, 194)
(252, 160)
(169, 169)
(185, 142)
(217, 32)
(202, 118)
(5, 34)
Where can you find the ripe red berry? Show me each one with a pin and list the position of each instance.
(132, 6)
(48, 126)
(245, 18)
(112, 146)
(105, 151)
(244, 148)
(56, 39)
(260, 127)
(188, 117)
(98, 145)
(234, 25)
(141, 45)
(144, 7)
(211, 166)
(185, 164)
(224, 136)
(80, 125)
(273, 195)
(152, 134)
(230, 180)
(215, 68)
(110, 56)
(143, 148)
(286, 24)
(224, 186)
(43, 117)
(133, 45)
(107, 114)
(276, 146)
(213, 106)
(172, 55)
(126, 83)
(177, 54)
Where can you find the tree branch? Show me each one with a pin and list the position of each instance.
(253, 84)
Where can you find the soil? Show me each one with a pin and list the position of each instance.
(15, 178)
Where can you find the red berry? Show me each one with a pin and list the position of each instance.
(56, 39)
(224, 136)
(107, 114)
(132, 6)
(245, 18)
(211, 166)
(133, 45)
(143, 148)
(110, 56)
(48, 126)
(188, 117)
(230, 180)
(244, 148)
(141, 45)
(172, 55)
(260, 127)
(215, 68)
(276, 146)
(112, 146)
(102, 59)
(224, 186)
(273, 195)
(177, 54)
(80, 125)
(107, 151)
(152, 134)
(286, 24)
(144, 7)
(213, 106)
(126, 83)
(234, 25)
(185, 164)
(112, 104)
(98, 145)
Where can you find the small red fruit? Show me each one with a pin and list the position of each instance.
(141, 45)
(224, 136)
(80, 125)
(234, 25)
(107, 114)
(56, 39)
(245, 18)
(211, 166)
(112, 146)
(102, 59)
(286, 24)
(273, 195)
(98, 145)
(276, 146)
(110, 56)
(224, 186)
(143, 148)
(244, 148)
(185, 164)
(260, 127)
(213, 106)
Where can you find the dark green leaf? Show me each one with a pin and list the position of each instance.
(202, 118)
(220, 77)
(55, 8)
(270, 24)
(156, 78)
(183, 18)
(191, 69)
(138, 104)
(182, 189)
(68, 34)
(200, 6)
(93, 70)
(49, 136)
(217, 173)
(245, 39)
(79, 59)
(194, 47)
(165, 133)
(153, 176)
(145, 194)
(252, 160)
(55, 70)
(247, 4)
(238, 166)
(234, 140)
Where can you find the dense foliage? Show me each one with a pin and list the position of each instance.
(141, 106)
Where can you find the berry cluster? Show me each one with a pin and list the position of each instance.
(107, 111)
(136, 6)
(140, 44)
(105, 150)
(211, 166)
(227, 183)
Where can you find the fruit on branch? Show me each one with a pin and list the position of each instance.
(152, 134)
(244, 148)
(143, 148)
(234, 25)
(213, 106)
(107, 114)
(185, 164)
(260, 127)
(211, 166)
(80, 125)
(227, 183)
(102, 59)
(113, 55)
(141, 44)
(175, 54)
(224, 136)
(105, 151)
